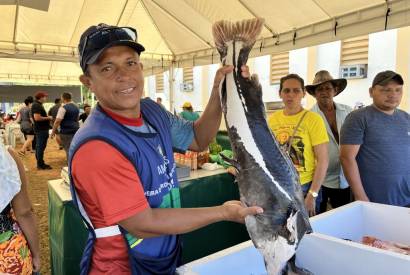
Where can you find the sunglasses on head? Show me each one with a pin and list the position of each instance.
(105, 35)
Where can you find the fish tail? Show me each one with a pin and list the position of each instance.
(246, 31)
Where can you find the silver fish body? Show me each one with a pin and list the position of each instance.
(266, 177)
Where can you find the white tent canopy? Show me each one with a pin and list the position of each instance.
(38, 39)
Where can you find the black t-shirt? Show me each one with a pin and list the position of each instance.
(37, 108)
(83, 117)
(54, 110)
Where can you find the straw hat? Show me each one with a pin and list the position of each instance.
(323, 77)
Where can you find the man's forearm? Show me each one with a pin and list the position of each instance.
(207, 125)
(352, 174)
(41, 118)
(154, 222)
(198, 217)
(319, 175)
(56, 125)
(166, 221)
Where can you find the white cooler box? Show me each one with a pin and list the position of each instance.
(324, 252)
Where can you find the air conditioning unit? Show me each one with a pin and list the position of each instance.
(353, 71)
(187, 87)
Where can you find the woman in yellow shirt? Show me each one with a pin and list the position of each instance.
(308, 148)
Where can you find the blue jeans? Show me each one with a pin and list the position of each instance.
(305, 190)
(41, 144)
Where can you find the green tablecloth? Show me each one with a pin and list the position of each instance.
(210, 191)
(68, 234)
(223, 139)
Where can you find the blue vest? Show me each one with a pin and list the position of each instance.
(152, 156)
(70, 125)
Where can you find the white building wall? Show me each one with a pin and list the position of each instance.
(298, 61)
(194, 97)
(150, 87)
(328, 58)
(382, 56)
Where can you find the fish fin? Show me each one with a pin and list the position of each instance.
(231, 162)
(292, 269)
(245, 30)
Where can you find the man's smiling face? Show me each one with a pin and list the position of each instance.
(117, 80)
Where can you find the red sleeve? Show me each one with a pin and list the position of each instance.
(107, 184)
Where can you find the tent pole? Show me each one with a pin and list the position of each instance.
(171, 80)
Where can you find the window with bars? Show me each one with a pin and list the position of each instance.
(279, 67)
(354, 50)
(187, 84)
(159, 82)
(188, 75)
(354, 57)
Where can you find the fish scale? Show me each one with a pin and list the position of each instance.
(266, 176)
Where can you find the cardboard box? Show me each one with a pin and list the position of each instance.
(325, 252)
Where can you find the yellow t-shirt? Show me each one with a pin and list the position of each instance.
(311, 132)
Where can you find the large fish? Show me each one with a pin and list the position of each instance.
(266, 177)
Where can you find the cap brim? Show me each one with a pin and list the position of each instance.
(340, 84)
(395, 77)
(134, 45)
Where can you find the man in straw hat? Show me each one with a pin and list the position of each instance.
(375, 145)
(324, 88)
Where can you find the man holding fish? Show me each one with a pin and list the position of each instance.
(121, 163)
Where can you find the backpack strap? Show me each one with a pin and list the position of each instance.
(289, 145)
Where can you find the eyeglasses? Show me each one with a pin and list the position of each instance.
(103, 36)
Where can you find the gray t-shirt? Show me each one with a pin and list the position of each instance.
(384, 155)
(25, 124)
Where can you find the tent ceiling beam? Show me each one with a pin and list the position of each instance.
(274, 34)
(122, 13)
(156, 27)
(58, 53)
(181, 23)
(51, 69)
(16, 21)
(321, 8)
(76, 23)
(364, 21)
(37, 77)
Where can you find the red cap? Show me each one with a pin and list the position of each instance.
(40, 94)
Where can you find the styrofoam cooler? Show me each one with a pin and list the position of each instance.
(326, 251)
(329, 251)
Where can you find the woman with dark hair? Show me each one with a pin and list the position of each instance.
(19, 245)
(26, 125)
(302, 135)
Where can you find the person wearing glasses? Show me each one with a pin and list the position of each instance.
(375, 145)
(302, 135)
(121, 162)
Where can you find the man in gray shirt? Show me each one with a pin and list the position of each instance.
(375, 145)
